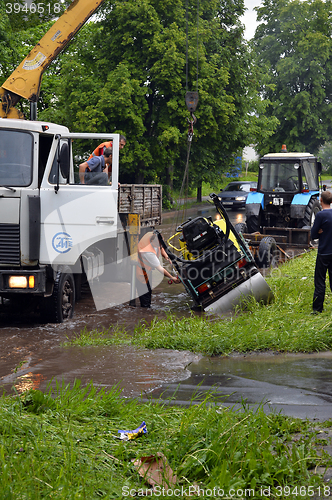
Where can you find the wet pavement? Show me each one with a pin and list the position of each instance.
(32, 356)
(297, 385)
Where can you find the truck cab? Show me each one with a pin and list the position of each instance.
(50, 224)
(287, 193)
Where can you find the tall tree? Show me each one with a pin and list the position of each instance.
(294, 46)
(127, 72)
(325, 155)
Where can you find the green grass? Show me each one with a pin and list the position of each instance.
(63, 444)
(283, 325)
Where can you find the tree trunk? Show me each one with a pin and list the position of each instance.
(139, 177)
(169, 182)
(199, 193)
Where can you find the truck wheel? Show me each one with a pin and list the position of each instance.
(241, 227)
(253, 223)
(267, 252)
(60, 306)
(311, 210)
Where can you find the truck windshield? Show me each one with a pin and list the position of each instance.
(277, 176)
(15, 158)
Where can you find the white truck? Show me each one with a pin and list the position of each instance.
(54, 231)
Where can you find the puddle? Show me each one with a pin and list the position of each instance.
(298, 385)
(135, 371)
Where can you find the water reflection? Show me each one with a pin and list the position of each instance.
(28, 381)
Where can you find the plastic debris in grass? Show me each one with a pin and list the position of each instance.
(128, 435)
(155, 470)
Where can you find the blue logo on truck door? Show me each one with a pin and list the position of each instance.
(62, 242)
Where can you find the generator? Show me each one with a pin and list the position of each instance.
(214, 263)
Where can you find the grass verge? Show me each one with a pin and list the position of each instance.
(63, 444)
(283, 325)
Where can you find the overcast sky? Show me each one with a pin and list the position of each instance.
(249, 18)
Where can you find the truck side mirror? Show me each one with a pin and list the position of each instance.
(64, 160)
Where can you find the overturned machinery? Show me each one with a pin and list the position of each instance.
(214, 263)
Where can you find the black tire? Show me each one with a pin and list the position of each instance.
(60, 306)
(253, 223)
(241, 227)
(267, 252)
(311, 210)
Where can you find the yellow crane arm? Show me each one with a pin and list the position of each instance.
(26, 79)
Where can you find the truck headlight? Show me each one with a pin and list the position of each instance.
(240, 198)
(21, 281)
(18, 282)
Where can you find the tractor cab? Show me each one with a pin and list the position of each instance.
(287, 192)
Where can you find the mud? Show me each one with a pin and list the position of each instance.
(32, 353)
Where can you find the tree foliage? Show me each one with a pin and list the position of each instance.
(128, 71)
(325, 156)
(22, 25)
(294, 47)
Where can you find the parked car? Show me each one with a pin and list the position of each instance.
(235, 194)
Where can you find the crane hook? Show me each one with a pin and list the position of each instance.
(191, 127)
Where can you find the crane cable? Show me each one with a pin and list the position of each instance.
(191, 102)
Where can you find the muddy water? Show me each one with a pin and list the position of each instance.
(298, 385)
(31, 354)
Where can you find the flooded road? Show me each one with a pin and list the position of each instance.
(31, 356)
(31, 353)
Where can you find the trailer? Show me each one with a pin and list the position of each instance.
(274, 245)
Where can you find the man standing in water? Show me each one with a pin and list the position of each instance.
(148, 253)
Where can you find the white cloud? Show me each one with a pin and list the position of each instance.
(250, 19)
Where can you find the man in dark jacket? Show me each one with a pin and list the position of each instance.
(97, 165)
(322, 230)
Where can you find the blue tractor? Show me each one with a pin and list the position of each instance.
(287, 193)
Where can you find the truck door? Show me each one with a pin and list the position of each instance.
(75, 216)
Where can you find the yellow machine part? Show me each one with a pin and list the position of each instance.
(6, 110)
(222, 224)
(26, 79)
(134, 226)
(183, 247)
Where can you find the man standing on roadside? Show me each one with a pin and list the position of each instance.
(322, 230)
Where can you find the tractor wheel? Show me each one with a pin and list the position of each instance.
(60, 306)
(241, 227)
(253, 223)
(311, 210)
(267, 252)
